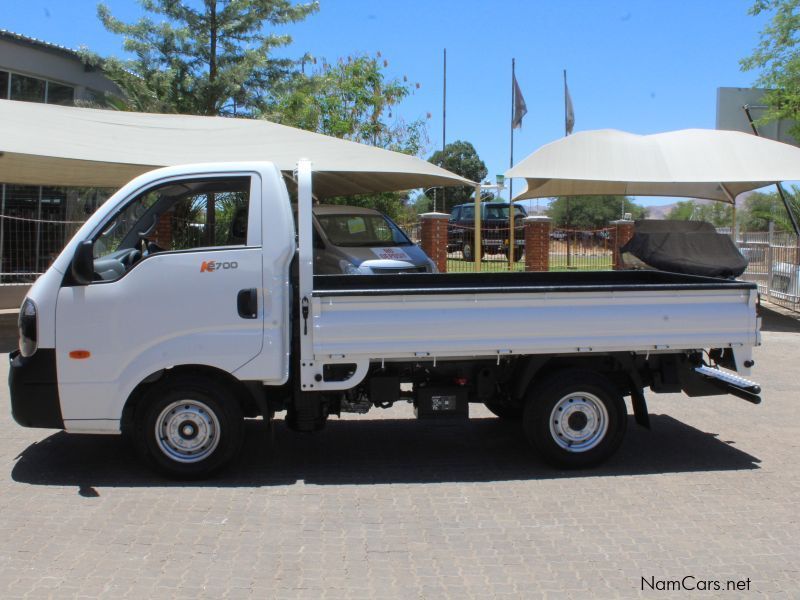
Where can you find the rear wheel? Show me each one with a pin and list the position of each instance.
(517, 254)
(468, 251)
(189, 427)
(575, 419)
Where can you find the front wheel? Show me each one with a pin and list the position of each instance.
(189, 427)
(576, 419)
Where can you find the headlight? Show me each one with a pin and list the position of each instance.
(27, 328)
(349, 268)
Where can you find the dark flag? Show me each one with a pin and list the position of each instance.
(520, 109)
(569, 113)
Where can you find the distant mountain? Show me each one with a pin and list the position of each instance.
(659, 212)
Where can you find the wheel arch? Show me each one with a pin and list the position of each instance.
(251, 400)
(533, 370)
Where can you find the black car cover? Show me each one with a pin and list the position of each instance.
(691, 247)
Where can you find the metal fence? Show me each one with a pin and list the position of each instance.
(570, 249)
(773, 264)
(36, 223)
(581, 249)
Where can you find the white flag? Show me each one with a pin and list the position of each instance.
(569, 113)
(520, 109)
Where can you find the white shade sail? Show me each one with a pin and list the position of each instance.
(64, 146)
(695, 163)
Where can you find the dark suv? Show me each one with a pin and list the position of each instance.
(494, 229)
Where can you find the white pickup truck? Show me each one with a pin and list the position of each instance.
(183, 305)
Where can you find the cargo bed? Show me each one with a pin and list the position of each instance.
(365, 319)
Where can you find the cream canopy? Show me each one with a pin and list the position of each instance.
(696, 163)
(57, 145)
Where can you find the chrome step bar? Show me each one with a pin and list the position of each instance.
(731, 383)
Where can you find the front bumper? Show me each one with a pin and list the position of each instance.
(34, 389)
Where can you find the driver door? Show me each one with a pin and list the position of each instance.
(171, 267)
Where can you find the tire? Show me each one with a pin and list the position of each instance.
(189, 427)
(504, 410)
(517, 254)
(593, 428)
(468, 251)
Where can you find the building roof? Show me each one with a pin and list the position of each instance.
(40, 44)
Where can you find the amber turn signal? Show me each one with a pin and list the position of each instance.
(79, 354)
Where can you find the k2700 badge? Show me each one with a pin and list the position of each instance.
(209, 266)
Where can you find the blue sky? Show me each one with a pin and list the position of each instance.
(638, 65)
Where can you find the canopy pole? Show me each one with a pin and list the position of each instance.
(477, 250)
(732, 201)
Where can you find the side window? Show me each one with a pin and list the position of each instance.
(468, 213)
(456, 214)
(204, 218)
(179, 215)
(382, 230)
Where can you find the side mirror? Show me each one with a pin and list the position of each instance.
(83, 263)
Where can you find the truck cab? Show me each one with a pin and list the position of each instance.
(168, 273)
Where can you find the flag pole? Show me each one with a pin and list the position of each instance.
(511, 162)
(566, 133)
(566, 128)
(444, 100)
(444, 127)
(512, 249)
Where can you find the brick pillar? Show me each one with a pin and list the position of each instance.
(537, 243)
(621, 232)
(434, 238)
(163, 231)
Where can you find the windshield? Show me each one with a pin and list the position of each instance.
(115, 232)
(362, 230)
(501, 212)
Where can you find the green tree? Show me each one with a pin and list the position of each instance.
(216, 59)
(760, 208)
(683, 211)
(459, 157)
(591, 212)
(777, 59)
(719, 214)
(353, 99)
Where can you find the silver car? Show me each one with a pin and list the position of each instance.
(362, 241)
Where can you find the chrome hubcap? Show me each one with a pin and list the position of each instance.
(187, 431)
(579, 422)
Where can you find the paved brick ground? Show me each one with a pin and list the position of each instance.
(382, 507)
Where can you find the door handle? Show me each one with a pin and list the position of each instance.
(247, 303)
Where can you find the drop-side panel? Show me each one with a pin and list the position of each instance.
(386, 325)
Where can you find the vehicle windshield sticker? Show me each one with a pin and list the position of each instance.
(390, 253)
